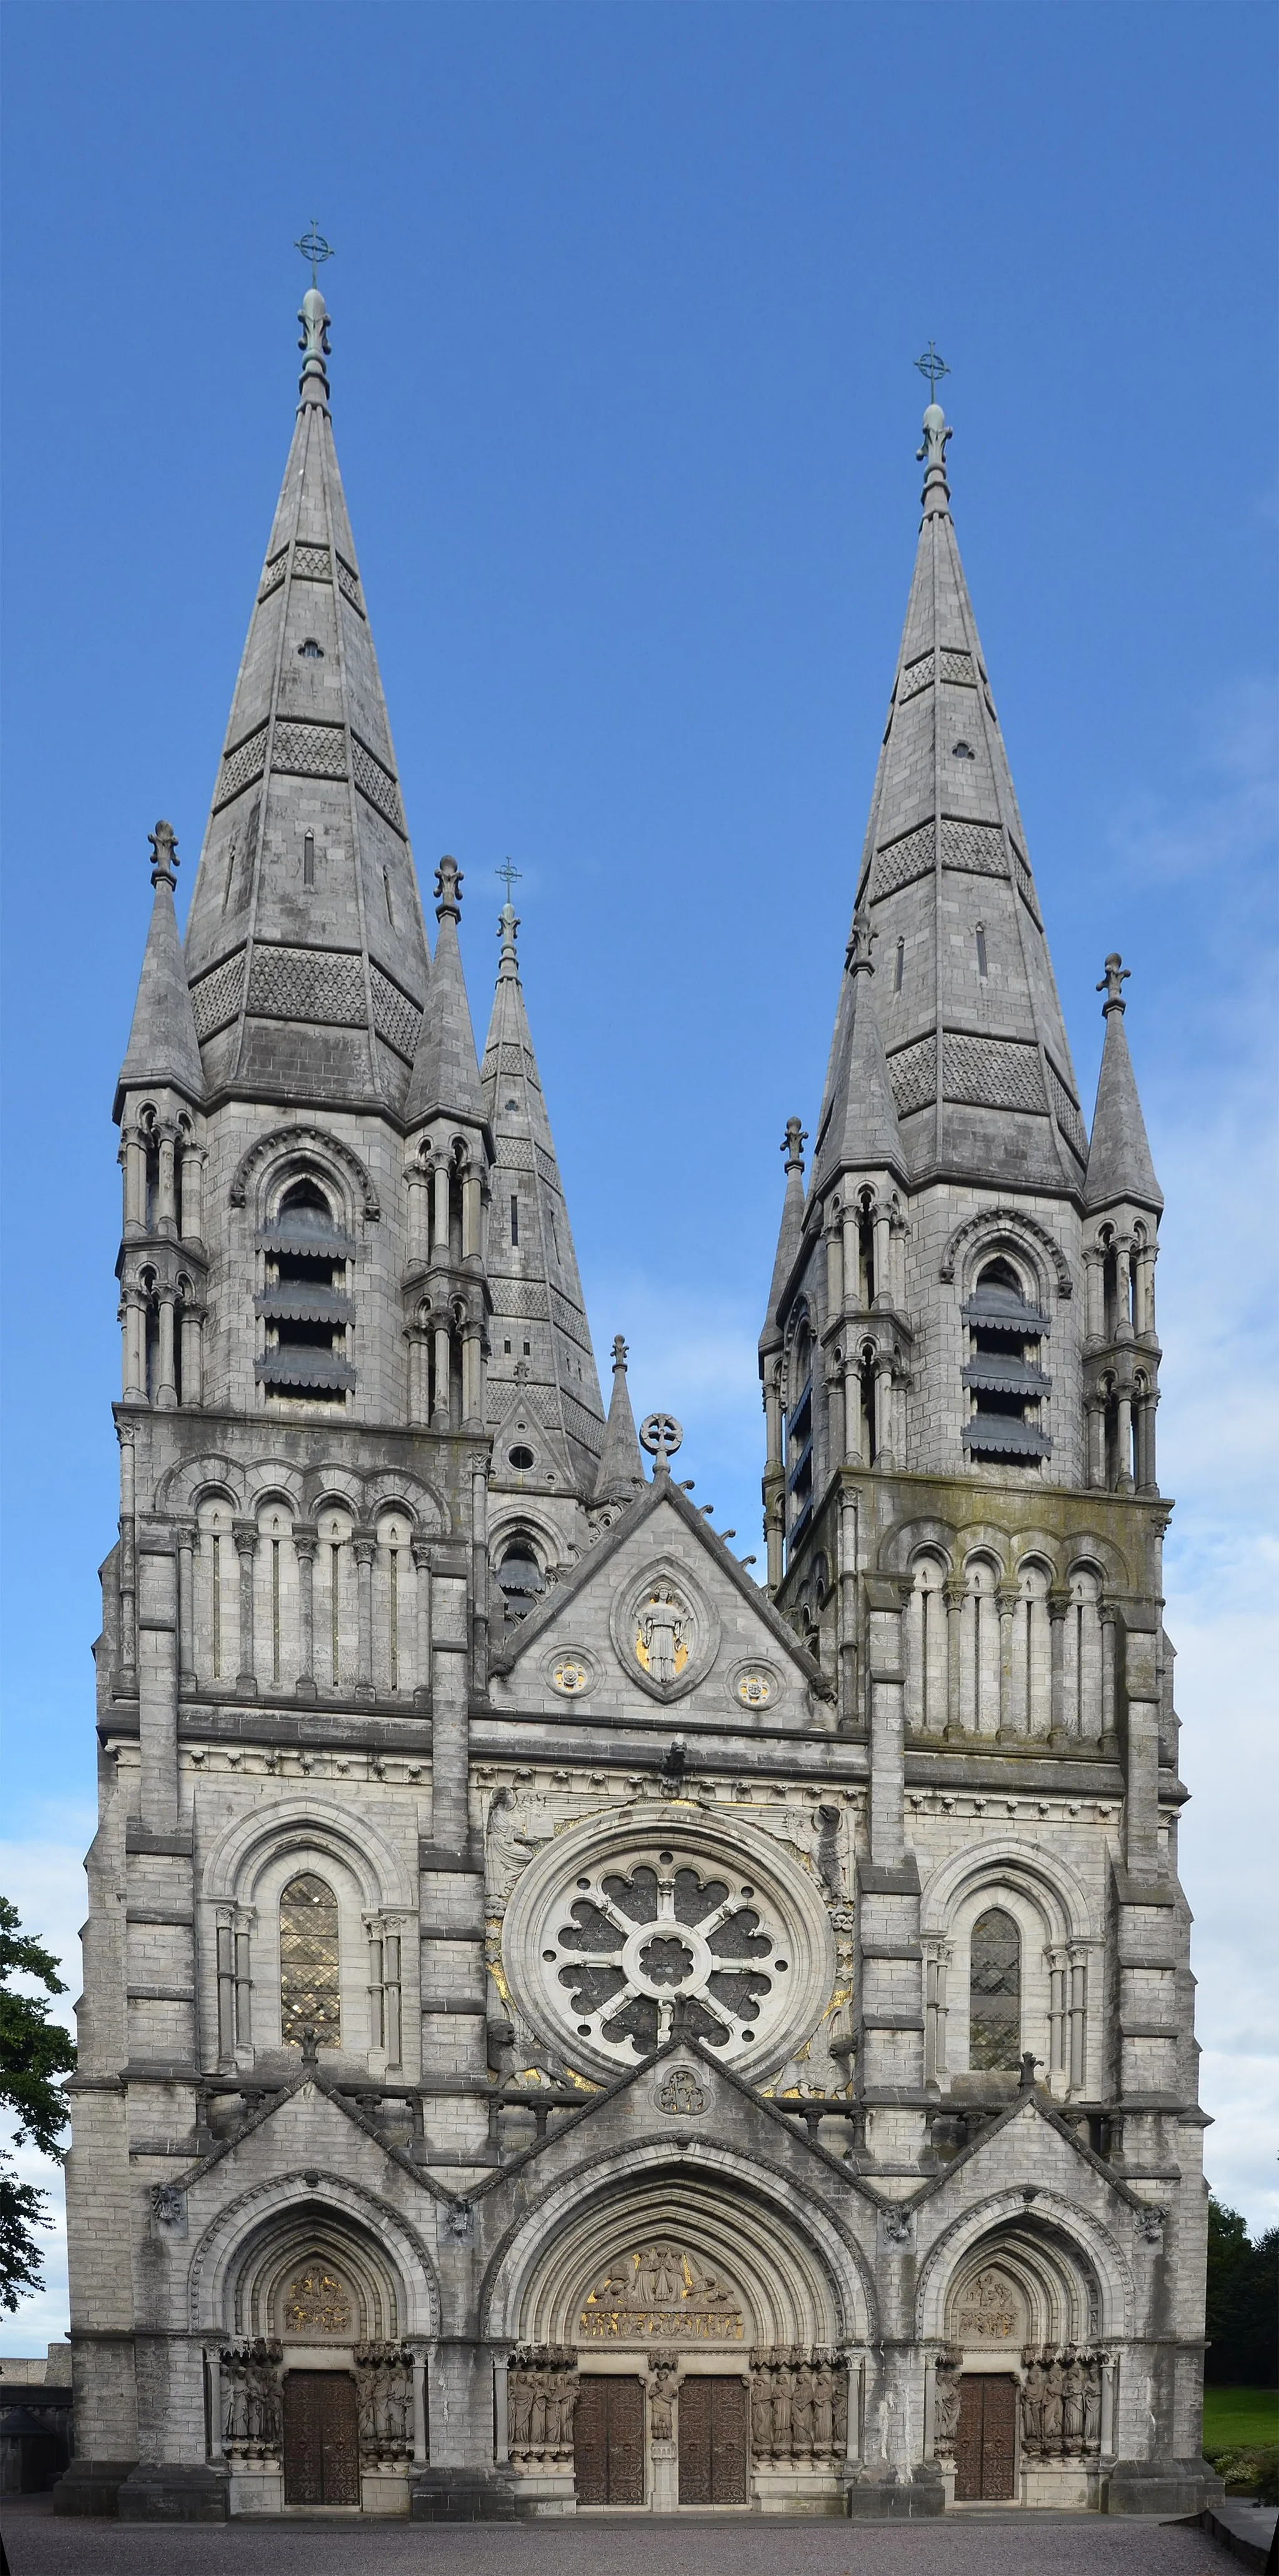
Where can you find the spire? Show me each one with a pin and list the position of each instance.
(621, 1473)
(1119, 1164)
(306, 949)
(445, 1074)
(976, 1049)
(790, 1232)
(859, 1130)
(539, 1312)
(162, 1046)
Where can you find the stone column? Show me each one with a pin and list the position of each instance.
(440, 1209)
(936, 1963)
(887, 1728)
(442, 1407)
(134, 1154)
(479, 1579)
(166, 1208)
(306, 1540)
(166, 1393)
(422, 1564)
(501, 2409)
(854, 1448)
(158, 1675)
(850, 1713)
(834, 1264)
(471, 1412)
(470, 1215)
(1095, 1417)
(1146, 1483)
(419, 2410)
(245, 1534)
(883, 1274)
(1095, 1296)
(133, 1311)
(1058, 1605)
(884, 1410)
(1006, 1599)
(954, 1591)
(365, 1545)
(1141, 1802)
(191, 1223)
(1124, 1477)
(1078, 2015)
(852, 1256)
(187, 1541)
(419, 1192)
(192, 1372)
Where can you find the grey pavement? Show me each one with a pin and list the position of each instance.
(977, 2544)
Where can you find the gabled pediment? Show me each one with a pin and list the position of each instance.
(660, 1613)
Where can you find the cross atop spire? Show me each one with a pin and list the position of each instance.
(164, 855)
(929, 365)
(314, 248)
(1113, 980)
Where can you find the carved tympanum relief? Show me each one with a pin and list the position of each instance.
(318, 2302)
(988, 2311)
(662, 2292)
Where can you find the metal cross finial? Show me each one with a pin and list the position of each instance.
(510, 876)
(314, 247)
(933, 367)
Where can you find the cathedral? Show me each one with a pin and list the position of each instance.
(568, 2027)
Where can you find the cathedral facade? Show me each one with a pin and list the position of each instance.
(567, 2027)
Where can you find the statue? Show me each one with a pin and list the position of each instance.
(565, 2407)
(1053, 2405)
(761, 2405)
(519, 2409)
(823, 2406)
(1032, 2404)
(1092, 2404)
(661, 2393)
(1073, 2403)
(662, 1635)
(801, 2405)
(507, 1846)
(781, 2441)
(840, 2443)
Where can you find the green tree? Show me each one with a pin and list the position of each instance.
(1242, 2304)
(33, 2052)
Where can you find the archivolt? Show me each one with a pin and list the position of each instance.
(801, 2279)
(244, 2246)
(306, 1140)
(308, 1822)
(1064, 2248)
(1012, 1222)
(1044, 1876)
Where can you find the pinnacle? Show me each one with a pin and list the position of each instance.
(162, 1049)
(445, 1074)
(1120, 1169)
(621, 1470)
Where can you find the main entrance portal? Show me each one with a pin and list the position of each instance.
(712, 2441)
(985, 2452)
(608, 2440)
(321, 2438)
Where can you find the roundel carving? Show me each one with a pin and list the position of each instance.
(614, 1940)
(665, 1633)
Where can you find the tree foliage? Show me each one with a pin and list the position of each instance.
(1243, 2303)
(34, 2051)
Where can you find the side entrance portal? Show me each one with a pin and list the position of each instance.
(986, 2450)
(608, 2440)
(712, 2441)
(321, 2438)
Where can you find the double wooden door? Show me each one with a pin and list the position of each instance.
(321, 2438)
(608, 2440)
(986, 2448)
(712, 2441)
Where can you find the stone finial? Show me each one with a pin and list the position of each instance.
(932, 456)
(313, 314)
(507, 925)
(620, 1354)
(164, 854)
(1112, 983)
(859, 960)
(448, 890)
(793, 1143)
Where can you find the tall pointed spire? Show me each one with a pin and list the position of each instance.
(621, 1471)
(976, 1047)
(790, 1232)
(1120, 1169)
(162, 1048)
(445, 1074)
(539, 1312)
(859, 1130)
(306, 948)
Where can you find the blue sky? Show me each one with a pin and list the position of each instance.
(625, 306)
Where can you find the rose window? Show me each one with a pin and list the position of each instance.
(630, 1942)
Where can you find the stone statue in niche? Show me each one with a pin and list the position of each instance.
(799, 2404)
(662, 1643)
(661, 2395)
(507, 1846)
(541, 2399)
(946, 2402)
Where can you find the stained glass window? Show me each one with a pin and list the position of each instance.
(309, 1997)
(994, 2009)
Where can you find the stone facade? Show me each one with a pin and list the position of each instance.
(565, 2027)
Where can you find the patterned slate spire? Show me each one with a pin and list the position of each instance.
(1120, 1169)
(539, 1315)
(162, 1047)
(306, 948)
(965, 997)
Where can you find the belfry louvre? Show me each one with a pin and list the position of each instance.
(567, 2028)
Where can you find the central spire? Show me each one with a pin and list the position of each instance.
(306, 948)
(972, 1029)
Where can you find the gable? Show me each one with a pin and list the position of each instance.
(660, 1616)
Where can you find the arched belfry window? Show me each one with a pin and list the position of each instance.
(309, 1959)
(1003, 1375)
(305, 1301)
(994, 1993)
(520, 1577)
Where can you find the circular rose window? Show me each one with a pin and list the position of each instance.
(601, 1952)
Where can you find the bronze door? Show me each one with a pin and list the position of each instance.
(712, 2441)
(986, 2451)
(321, 2438)
(608, 2440)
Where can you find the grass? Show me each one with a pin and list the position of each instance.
(1237, 2419)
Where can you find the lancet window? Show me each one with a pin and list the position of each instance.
(310, 1997)
(994, 1993)
(305, 1300)
(1003, 1375)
